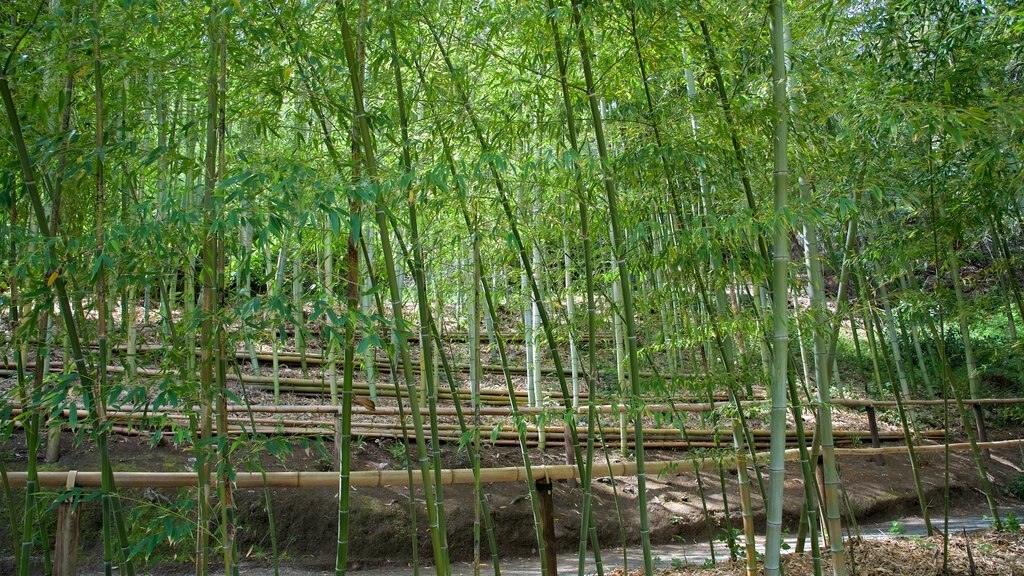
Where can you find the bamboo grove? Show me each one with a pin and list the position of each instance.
(628, 203)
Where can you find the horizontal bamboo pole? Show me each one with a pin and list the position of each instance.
(124, 415)
(649, 409)
(490, 398)
(856, 403)
(318, 359)
(380, 478)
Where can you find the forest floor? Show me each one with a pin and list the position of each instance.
(306, 520)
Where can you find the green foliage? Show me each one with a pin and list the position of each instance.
(400, 452)
(1016, 487)
(1011, 523)
(896, 528)
(162, 528)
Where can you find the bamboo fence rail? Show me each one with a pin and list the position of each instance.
(381, 478)
(137, 423)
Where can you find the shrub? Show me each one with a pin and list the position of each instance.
(1016, 488)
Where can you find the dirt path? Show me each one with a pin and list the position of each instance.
(666, 555)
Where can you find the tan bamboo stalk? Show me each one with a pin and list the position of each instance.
(816, 290)
(746, 506)
(225, 493)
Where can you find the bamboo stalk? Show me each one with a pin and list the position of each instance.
(433, 494)
(780, 287)
(624, 281)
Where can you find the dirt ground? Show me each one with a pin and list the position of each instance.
(306, 519)
(984, 554)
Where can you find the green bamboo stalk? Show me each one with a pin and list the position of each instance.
(698, 464)
(516, 238)
(344, 434)
(974, 382)
(811, 488)
(738, 152)
(53, 440)
(23, 550)
(730, 368)
(393, 362)
(225, 493)
(780, 286)
(59, 285)
(432, 493)
(208, 360)
(618, 247)
(509, 386)
(938, 337)
(423, 302)
(746, 506)
(906, 424)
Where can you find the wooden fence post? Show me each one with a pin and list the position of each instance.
(873, 428)
(65, 553)
(547, 516)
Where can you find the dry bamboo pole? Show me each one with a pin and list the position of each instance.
(225, 495)
(649, 409)
(158, 419)
(822, 363)
(451, 476)
(319, 359)
(746, 506)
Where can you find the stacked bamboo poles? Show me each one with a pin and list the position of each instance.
(648, 411)
(130, 422)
